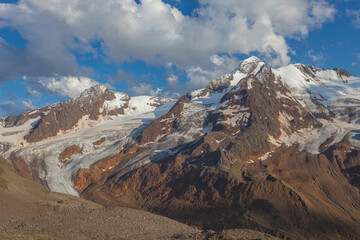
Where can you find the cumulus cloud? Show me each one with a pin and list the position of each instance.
(66, 86)
(174, 87)
(155, 32)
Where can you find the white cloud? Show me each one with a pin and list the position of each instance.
(217, 60)
(28, 104)
(158, 33)
(315, 57)
(66, 86)
(356, 15)
(354, 64)
(143, 89)
(173, 79)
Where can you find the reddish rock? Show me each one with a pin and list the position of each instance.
(84, 177)
(99, 142)
(68, 153)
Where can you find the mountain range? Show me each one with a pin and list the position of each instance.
(273, 150)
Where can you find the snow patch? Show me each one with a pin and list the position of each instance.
(235, 115)
(323, 85)
(119, 101)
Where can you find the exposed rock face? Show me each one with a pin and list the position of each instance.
(99, 142)
(66, 114)
(347, 110)
(85, 177)
(12, 121)
(163, 125)
(342, 73)
(255, 114)
(68, 153)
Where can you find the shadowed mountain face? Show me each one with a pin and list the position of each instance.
(275, 150)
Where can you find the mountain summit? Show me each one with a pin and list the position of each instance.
(251, 65)
(276, 150)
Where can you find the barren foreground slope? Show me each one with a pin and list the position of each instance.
(29, 211)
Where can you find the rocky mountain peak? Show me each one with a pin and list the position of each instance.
(247, 67)
(251, 65)
(97, 90)
(342, 73)
(252, 59)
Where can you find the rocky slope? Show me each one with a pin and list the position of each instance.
(275, 150)
(30, 211)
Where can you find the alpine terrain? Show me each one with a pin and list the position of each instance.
(272, 150)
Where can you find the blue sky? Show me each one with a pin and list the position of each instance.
(52, 50)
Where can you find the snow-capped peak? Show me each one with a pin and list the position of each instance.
(96, 90)
(314, 86)
(251, 65)
(252, 59)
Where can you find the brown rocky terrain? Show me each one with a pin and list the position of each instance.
(87, 176)
(29, 211)
(281, 197)
(163, 125)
